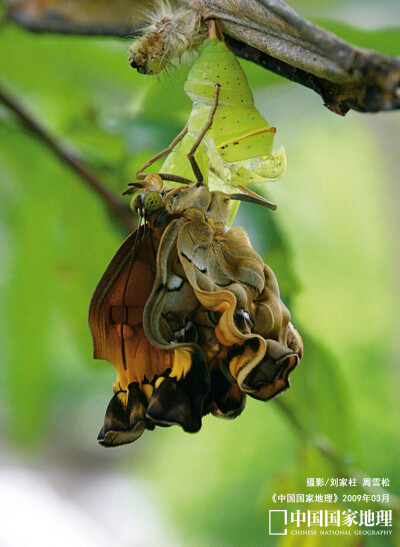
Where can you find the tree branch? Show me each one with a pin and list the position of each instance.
(87, 17)
(116, 206)
(272, 34)
(339, 98)
(267, 32)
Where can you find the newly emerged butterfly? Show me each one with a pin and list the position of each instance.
(237, 148)
(189, 315)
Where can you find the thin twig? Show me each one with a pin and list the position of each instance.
(326, 449)
(87, 18)
(117, 206)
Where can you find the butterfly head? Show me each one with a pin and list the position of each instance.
(147, 202)
(147, 198)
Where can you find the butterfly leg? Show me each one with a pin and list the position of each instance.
(140, 174)
(192, 159)
(252, 197)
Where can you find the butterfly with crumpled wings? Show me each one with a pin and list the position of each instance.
(188, 313)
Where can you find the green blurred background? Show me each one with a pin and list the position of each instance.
(333, 244)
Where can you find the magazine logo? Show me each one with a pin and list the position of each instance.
(329, 522)
(277, 521)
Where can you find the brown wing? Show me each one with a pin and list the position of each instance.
(108, 308)
(157, 382)
(137, 362)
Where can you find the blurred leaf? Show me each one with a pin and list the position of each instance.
(97, 146)
(330, 244)
(95, 82)
(57, 231)
(272, 244)
(29, 301)
(318, 383)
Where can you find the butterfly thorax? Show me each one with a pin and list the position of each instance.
(195, 202)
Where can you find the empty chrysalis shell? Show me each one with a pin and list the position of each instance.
(237, 150)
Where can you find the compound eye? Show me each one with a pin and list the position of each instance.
(137, 202)
(152, 202)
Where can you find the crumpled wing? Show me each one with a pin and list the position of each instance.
(284, 344)
(171, 301)
(230, 278)
(177, 399)
(226, 275)
(216, 262)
